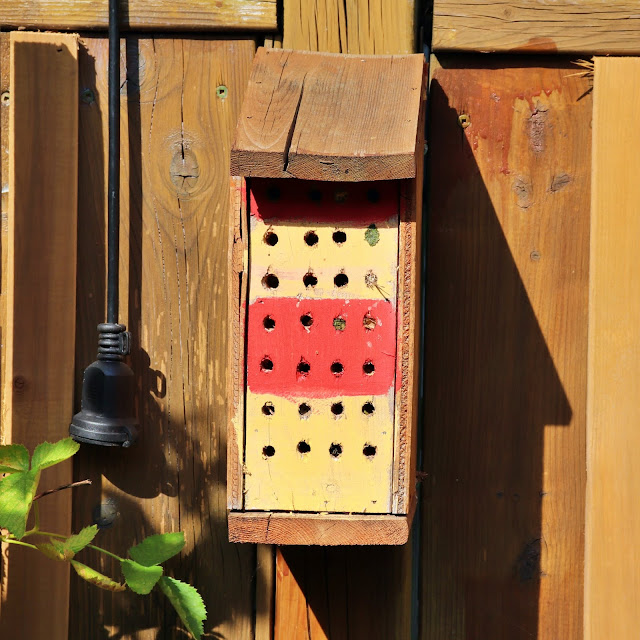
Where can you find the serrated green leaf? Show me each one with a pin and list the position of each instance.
(61, 547)
(92, 576)
(157, 548)
(13, 457)
(16, 495)
(187, 602)
(47, 454)
(80, 540)
(139, 578)
(50, 551)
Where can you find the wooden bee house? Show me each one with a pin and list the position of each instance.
(325, 259)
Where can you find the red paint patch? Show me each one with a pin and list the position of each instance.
(329, 202)
(320, 346)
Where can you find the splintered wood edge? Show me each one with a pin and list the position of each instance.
(319, 529)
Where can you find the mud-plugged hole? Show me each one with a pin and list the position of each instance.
(271, 238)
(270, 281)
(268, 409)
(369, 450)
(341, 280)
(306, 320)
(304, 410)
(303, 368)
(335, 450)
(368, 368)
(337, 368)
(339, 323)
(309, 279)
(269, 323)
(339, 237)
(369, 322)
(303, 447)
(268, 451)
(337, 408)
(311, 238)
(266, 364)
(368, 409)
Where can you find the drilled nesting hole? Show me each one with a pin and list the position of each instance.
(368, 368)
(311, 238)
(268, 451)
(339, 237)
(266, 364)
(339, 323)
(369, 450)
(337, 408)
(315, 195)
(309, 279)
(303, 447)
(306, 320)
(337, 368)
(304, 410)
(368, 409)
(335, 450)
(369, 322)
(341, 280)
(373, 195)
(269, 323)
(271, 238)
(303, 368)
(270, 281)
(268, 409)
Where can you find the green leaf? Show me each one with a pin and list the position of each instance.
(187, 602)
(158, 548)
(61, 547)
(13, 457)
(51, 551)
(47, 454)
(80, 540)
(16, 495)
(139, 578)
(92, 576)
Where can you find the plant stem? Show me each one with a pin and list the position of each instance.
(22, 544)
(89, 546)
(73, 485)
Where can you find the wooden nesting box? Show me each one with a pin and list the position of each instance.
(325, 262)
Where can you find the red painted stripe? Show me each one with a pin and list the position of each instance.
(320, 346)
(325, 202)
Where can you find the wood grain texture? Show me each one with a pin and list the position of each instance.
(201, 15)
(318, 529)
(613, 522)
(505, 397)
(40, 305)
(583, 26)
(4, 230)
(350, 26)
(329, 117)
(176, 135)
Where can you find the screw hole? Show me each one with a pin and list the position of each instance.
(303, 447)
(369, 322)
(369, 450)
(339, 237)
(303, 368)
(337, 408)
(269, 323)
(339, 323)
(268, 451)
(311, 238)
(304, 409)
(337, 368)
(368, 368)
(309, 280)
(266, 365)
(341, 280)
(335, 450)
(222, 91)
(271, 238)
(306, 320)
(268, 409)
(270, 281)
(368, 409)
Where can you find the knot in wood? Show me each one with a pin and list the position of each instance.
(184, 171)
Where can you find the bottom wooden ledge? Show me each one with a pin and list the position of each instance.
(318, 529)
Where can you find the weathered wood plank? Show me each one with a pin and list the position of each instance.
(613, 522)
(40, 305)
(201, 15)
(329, 117)
(350, 26)
(582, 26)
(504, 442)
(180, 104)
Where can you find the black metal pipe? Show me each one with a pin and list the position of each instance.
(113, 196)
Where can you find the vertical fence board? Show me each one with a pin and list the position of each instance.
(40, 306)
(612, 576)
(177, 124)
(504, 444)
